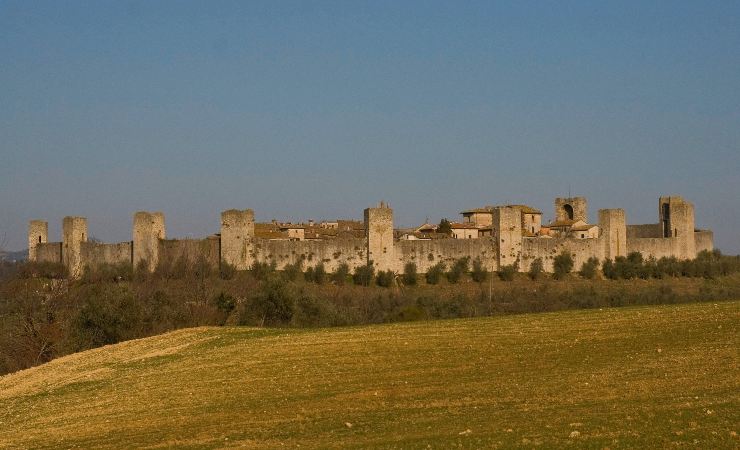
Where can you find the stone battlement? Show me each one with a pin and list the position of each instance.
(496, 235)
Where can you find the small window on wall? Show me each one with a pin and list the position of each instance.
(583, 235)
(39, 239)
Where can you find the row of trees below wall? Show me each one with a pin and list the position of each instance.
(44, 315)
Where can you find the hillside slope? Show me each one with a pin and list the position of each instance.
(629, 377)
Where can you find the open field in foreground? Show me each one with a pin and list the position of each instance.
(628, 377)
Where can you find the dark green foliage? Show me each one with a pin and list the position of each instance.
(316, 274)
(434, 274)
(507, 273)
(273, 304)
(409, 274)
(479, 272)
(261, 270)
(589, 268)
(562, 265)
(341, 274)
(292, 271)
(458, 269)
(225, 302)
(364, 275)
(536, 269)
(385, 278)
(444, 227)
(106, 315)
(706, 265)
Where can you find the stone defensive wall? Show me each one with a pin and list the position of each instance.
(508, 243)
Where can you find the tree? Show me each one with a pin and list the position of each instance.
(409, 273)
(479, 273)
(445, 227)
(562, 265)
(589, 267)
(536, 269)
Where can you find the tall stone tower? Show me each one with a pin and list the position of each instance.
(379, 234)
(571, 208)
(38, 233)
(148, 230)
(677, 221)
(507, 230)
(237, 238)
(74, 233)
(613, 225)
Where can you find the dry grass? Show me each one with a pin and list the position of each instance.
(631, 377)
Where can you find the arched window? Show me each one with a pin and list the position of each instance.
(568, 211)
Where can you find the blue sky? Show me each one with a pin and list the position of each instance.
(313, 109)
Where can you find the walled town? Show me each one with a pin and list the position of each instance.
(496, 235)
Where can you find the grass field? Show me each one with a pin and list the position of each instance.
(641, 377)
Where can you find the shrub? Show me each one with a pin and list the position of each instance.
(434, 274)
(316, 274)
(506, 273)
(225, 302)
(226, 271)
(458, 269)
(107, 272)
(273, 303)
(562, 265)
(385, 278)
(364, 275)
(535, 269)
(261, 270)
(479, 273)
(291, 271)
(409, 274)
(341, 274)
(589, 268)
(42, 270)
(608, 269)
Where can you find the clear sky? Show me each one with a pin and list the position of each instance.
(313, 109)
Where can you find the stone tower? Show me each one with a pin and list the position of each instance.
(379, 234)
(507, 230)
(677, 221)
(613, 225)
(74, 233)
(38, 233)
(148, 230)
(237, 238)
(571, 208)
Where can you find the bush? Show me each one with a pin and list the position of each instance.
(535, 269)
(341, 274)
(261, 270)
(434, 274)
(107, 272)
(42, 270)
(479, 273)
(316, 274)
(409, 274)
(273, 303)
(385, 278)
(364, 275)
(562, 265)
(589, 268)
(506, 273)
(291, 271)
(226, 271)
(458, 269)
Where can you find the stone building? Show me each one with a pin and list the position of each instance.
(497, 236)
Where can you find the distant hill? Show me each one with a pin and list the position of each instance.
(647, 377)
(21, 255)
